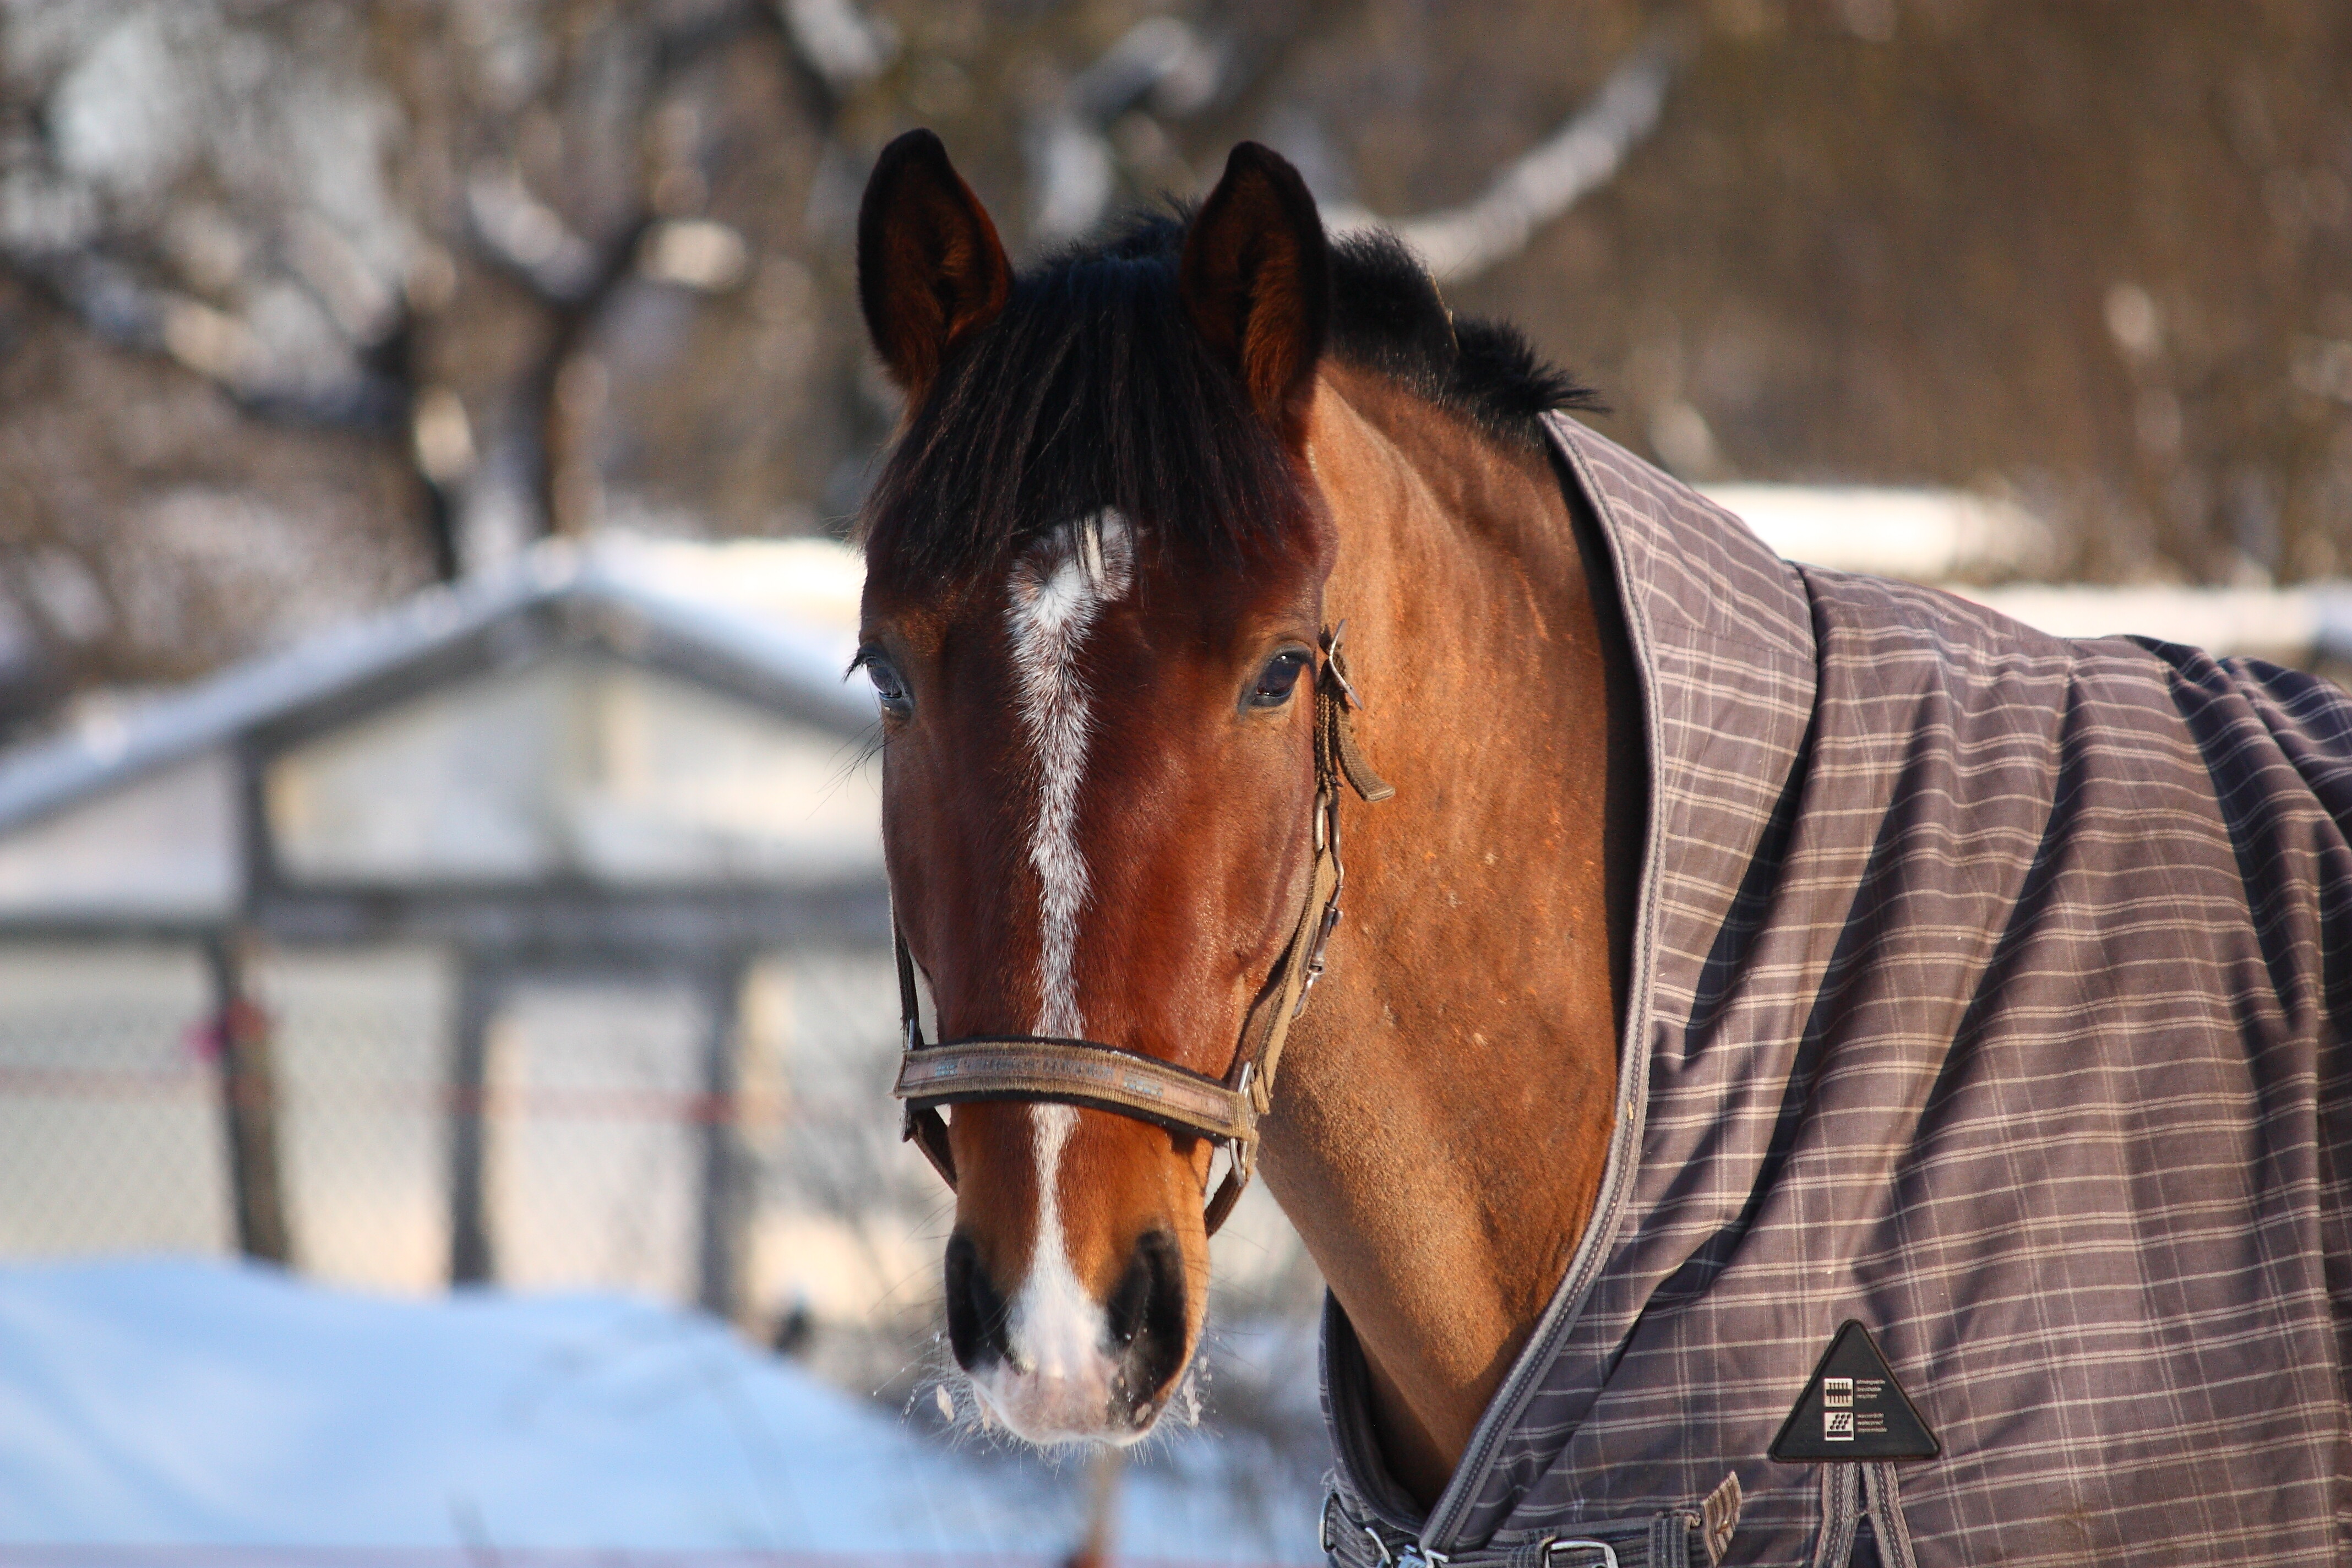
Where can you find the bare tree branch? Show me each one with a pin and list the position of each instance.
(1578, 158)
(1073, 172)
(845, 47)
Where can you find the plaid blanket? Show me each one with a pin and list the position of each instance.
(1989, 989)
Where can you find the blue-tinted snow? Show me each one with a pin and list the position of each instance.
(168, 1403)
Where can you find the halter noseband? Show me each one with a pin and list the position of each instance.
(1127, 1082)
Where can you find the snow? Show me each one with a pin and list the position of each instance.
(188, 1404)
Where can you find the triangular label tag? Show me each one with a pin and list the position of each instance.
(1854, 1409)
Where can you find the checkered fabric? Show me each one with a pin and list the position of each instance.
(1989, 989)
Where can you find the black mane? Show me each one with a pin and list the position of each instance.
(1386, 315)
(1091, 391)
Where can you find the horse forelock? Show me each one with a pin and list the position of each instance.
(1093, 391)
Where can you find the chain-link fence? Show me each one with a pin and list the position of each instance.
(597, 1123)
(111, 1123)
(595, 1116)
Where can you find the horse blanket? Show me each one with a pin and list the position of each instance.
(1989, 989)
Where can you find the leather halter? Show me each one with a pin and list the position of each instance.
(1127, 1082)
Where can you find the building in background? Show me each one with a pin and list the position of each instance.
(496, 931)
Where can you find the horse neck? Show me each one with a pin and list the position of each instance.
(1440, 1127)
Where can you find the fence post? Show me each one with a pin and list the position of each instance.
(472, 1261)
(727, 1188)
(248, 1101)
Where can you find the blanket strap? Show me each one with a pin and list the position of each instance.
(1675, 1538)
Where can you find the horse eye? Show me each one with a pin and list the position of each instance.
(887, 686)
(1275, 681)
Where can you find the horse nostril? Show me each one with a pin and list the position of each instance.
(1145, 1315)
(975, 1312)
(1130, 1301)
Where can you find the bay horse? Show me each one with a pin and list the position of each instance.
(1257, 640)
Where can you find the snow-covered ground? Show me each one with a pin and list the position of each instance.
(154, 1410)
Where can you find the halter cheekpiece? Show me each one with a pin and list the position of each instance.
(1127, 1082)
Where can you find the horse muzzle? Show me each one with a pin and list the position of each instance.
(1054, 1364)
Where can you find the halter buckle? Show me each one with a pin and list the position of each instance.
(1315, 955)
(1574, 1544)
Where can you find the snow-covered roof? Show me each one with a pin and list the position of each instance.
(2298, 624)
(1922, 535)
(778, 617)
(1958, 540)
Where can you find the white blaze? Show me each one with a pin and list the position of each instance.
(1059, 589)
(1058, 1383)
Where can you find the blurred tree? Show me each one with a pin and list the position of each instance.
(2099, 255)
(303, 305)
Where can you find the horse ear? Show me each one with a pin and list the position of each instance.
(1257, 281)
(929, 265)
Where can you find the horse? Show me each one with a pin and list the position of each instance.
(1665, 928)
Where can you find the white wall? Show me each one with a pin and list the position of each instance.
(579, 766)
(164, 846)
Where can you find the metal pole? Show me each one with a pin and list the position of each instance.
(726, 1206)
(248, 1103)
(472, 1261)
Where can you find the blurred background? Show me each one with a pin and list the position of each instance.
(436, 845)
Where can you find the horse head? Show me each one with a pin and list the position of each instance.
(1094, 619)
